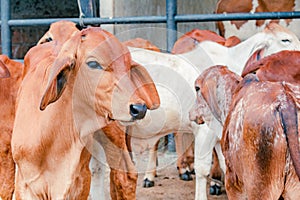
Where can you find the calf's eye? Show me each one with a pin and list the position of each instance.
(285, 40)
(94, 65)
(197, 88)
(49, 39)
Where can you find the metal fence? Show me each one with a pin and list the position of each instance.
(171, 19)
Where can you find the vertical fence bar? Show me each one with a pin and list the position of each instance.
(5, 29)
(87, 8)
(171, 11)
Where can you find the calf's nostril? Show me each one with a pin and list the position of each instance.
(138, 111)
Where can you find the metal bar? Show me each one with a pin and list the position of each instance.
(87, 8)
(171, 6)
(5, 28)
(171, 12)
(237, 16)
(160, 19)
(87, 21)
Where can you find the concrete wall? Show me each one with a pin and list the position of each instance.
(24, 38)
(156, 33)
(196, 7)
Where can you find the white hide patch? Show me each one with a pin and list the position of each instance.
(245, 31)
(237, 133)
(248, 29)
(254, 6)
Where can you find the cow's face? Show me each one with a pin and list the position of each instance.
(200, 112)
(273, 39)
(279, 38)
(104, 78)
(214, 87)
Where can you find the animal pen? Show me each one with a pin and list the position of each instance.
(171, 20)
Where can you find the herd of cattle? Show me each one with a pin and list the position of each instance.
(79, 92)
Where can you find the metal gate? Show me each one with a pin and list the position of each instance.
(171, 19)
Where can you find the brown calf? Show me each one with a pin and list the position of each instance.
(260, 135)
(66, 96)
(11, 77)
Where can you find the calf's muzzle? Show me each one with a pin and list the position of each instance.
(138, 111)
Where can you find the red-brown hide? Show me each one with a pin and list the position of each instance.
(260, 142)
(8, 92)
(53, 109)
(260, 134)
(189, 40)
(281, 66)
(141, 43)
(123, 178)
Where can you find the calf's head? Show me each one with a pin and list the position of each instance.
(214, 88)
(273, 39)
(59, 31)
(280, 38)
(98, 70)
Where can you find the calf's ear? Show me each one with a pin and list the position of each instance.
(60, 71)
(4, 73)
(209, 93)
(146, 88)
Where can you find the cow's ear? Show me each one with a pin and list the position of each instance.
(145, 85)
(4, 73)
(209, 93)
(60, 71)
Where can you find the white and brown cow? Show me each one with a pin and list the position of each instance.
(68, 94)
(185, 142)
(245, 29)
(176, 100)
(260, 136)
(269, 41)
(185, 162)
(173, 76)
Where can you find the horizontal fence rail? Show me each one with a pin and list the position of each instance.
(171, 19)
(160, 19)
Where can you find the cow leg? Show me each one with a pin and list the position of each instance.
(216, 174)
(292, 186)
(151, 167)
(204, 144)
(189, 154)
(100, 179)
(123, 183)
(220, 156)
(216, 170)
(184, 149)
(123, 175)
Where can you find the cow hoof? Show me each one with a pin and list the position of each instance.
(186, 176)
(193, 172)
(215, 190)
(148, 183)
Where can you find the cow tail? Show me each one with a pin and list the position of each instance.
(289, 121)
